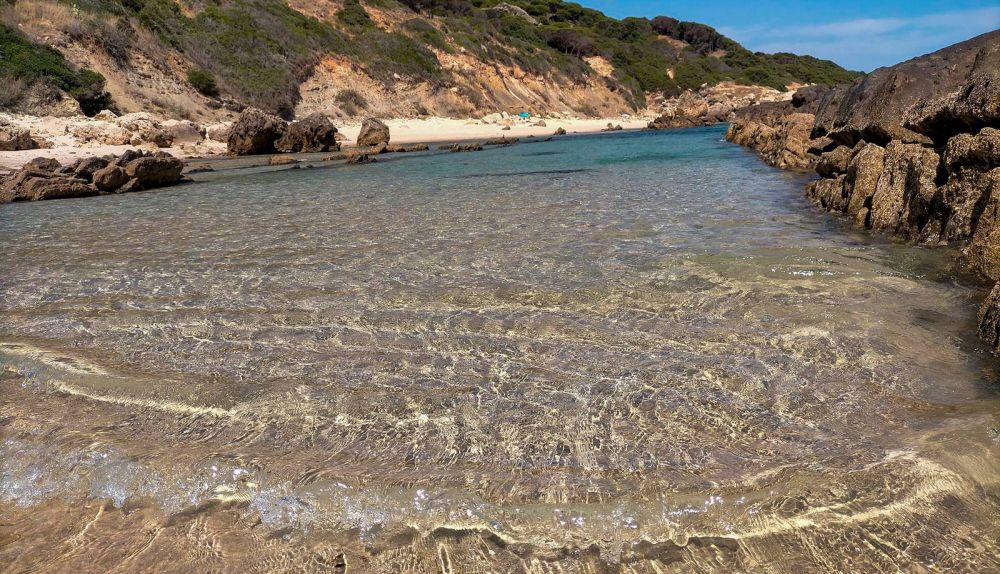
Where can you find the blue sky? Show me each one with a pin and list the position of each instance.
(857, 34)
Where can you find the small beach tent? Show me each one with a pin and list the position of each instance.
(524, 115)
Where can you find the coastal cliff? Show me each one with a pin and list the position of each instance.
(911, 151)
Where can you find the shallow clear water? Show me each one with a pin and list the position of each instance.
(640, 352)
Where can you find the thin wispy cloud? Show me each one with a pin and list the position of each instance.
(867, 43)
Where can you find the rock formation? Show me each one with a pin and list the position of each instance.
(911, 151)
(373, 132)
(45, 178)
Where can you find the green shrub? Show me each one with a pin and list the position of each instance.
(354, 15)
(351, 101)
(28, 62)
(203, 81)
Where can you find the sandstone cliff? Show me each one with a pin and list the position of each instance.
(911, 151)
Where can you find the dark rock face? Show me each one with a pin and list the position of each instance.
(373, 132)
(255, 132)
(44, 178)
(925, 100)
(314, 133)
(912, 151)
(779, 131)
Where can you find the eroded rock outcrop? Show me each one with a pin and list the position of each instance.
(911, 151)
(15, 138)
(45, 178)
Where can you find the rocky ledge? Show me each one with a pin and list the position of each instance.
(911, 151)
(45, 178)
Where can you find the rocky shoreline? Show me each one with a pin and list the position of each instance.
(911, 151)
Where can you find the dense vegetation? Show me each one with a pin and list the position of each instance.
(24, 62)
(259, 51)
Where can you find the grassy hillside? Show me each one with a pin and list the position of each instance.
(259, 51)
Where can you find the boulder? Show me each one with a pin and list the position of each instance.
(32, 185)
(282, 160)
(110, 178)
(828, 193)
(314, 133)
(255, 132)
(373, 132)
(218, 132)
(105, 116)
(14, 138)
(559, 132)
(157, 137)
(184, 132)
(101, 133)
(151, 172)
(43, 164)
(419, 147)
(86, 167)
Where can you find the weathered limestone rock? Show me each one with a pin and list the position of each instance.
(559, 132)
(314, 133)
(835, 162)
(14, 138)
(829, 193)
(255, 132)
(184, 132)
(981, 150)
(982, 254)
(85, 168)
(902, 200)
(373, 132)
(43, 164)
(862, 179)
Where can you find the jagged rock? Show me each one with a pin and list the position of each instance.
(466, 147)
(612, 128)
(255, 132)
(373, 132)
(183, 132)
(982, 254)
(966, 150)
(779, 133)
(419, 147)
(151, 172)
(137, 122)
(808, 99)
(559, 132)
(43, 164)
(817, 146)
(835, 162)
(105, 116)
(33, 185)
(862, 179)
(314, 133)
(14, 138)
(902, 200)
(828, 193)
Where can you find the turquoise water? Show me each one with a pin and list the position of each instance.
(640, 349)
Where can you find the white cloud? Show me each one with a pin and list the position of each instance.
(867, 43)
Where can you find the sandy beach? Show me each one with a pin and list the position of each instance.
(66, 149)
